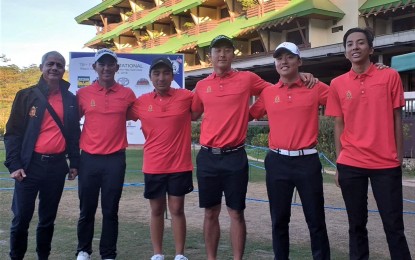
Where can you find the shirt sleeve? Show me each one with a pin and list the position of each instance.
(197, 105)
(257, 84)
(132, 112)
(398, 99)
(15, 129)
(80, 104)
(333, 106)
(257, 110)
(323, 92)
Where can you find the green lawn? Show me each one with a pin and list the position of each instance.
(134, 242)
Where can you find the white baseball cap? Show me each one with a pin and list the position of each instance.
(102, 52)
(286, 46)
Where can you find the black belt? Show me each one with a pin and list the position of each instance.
(225, 150)
(48, 157)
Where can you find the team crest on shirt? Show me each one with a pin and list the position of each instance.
(348, 94)
(208, 89)
(150, 108)
(277, 99)
(92, 102)
(32, 112)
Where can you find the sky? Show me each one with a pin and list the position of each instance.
(29, 28)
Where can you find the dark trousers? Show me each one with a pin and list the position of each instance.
(283, 173)
(387, 190)
(97, 173)
(46, 178)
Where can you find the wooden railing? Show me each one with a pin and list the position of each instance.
(261, 9)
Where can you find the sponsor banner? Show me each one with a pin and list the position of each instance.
(133, 73)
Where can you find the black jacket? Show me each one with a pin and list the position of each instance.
(23, 126)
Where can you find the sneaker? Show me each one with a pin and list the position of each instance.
(180, 257)
(157, 257)
(83, 256)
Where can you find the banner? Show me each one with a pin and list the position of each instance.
(133, 73)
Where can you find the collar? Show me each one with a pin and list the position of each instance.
(113, 88)
(229, 73)
(368, 73)
(169, 93)
(44, 88)
(297, 83)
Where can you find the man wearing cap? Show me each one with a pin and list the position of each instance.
(102, 166)
(293, 161)
(36, 150)
(222, 164)
(167, 166)
(367, 108)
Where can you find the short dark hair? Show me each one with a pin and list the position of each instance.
(366, 31)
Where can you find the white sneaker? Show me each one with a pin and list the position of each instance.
(83, 256)
(180, 257)
(157, 257)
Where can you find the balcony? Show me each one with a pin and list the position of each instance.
(261, 9)
(139, 15)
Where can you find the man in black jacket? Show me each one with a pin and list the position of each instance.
(36, 151)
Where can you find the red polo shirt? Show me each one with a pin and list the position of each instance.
(225, 104)
(166, 125)
(366, 102)
(50, 139)
(105, 111)
(292, 113)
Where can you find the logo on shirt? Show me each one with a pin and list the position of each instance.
(32, 112)
(150, 108)
(277, 99)
(208, 89)
(348, 94)
(92, 103)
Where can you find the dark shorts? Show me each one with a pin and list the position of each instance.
(174, 184)
(222, 173)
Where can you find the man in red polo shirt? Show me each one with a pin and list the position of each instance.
(293, 160)
(102, 167)
(36, 149)
(167, 166)
(222, 164)
(366, 104)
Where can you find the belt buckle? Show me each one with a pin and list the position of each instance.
(45, 157)
(216, 150)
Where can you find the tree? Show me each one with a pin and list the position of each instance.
(3, 58)
(13, 79)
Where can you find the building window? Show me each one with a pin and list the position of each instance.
(256, 46)
(400, 24)
(224, 12)
(295, 37)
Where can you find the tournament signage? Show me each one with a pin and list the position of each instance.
(133, 73)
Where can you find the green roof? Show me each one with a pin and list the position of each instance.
(307, 7)
(150, 17)
(97, 37)
(96, 10)
(404, 62)
(296, 8)
(377, 5)
(232, 29)
(115, 32)
(184, 5)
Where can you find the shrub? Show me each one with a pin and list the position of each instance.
(254, 130)
(260, 139)
(196, 131)
(326, 137)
